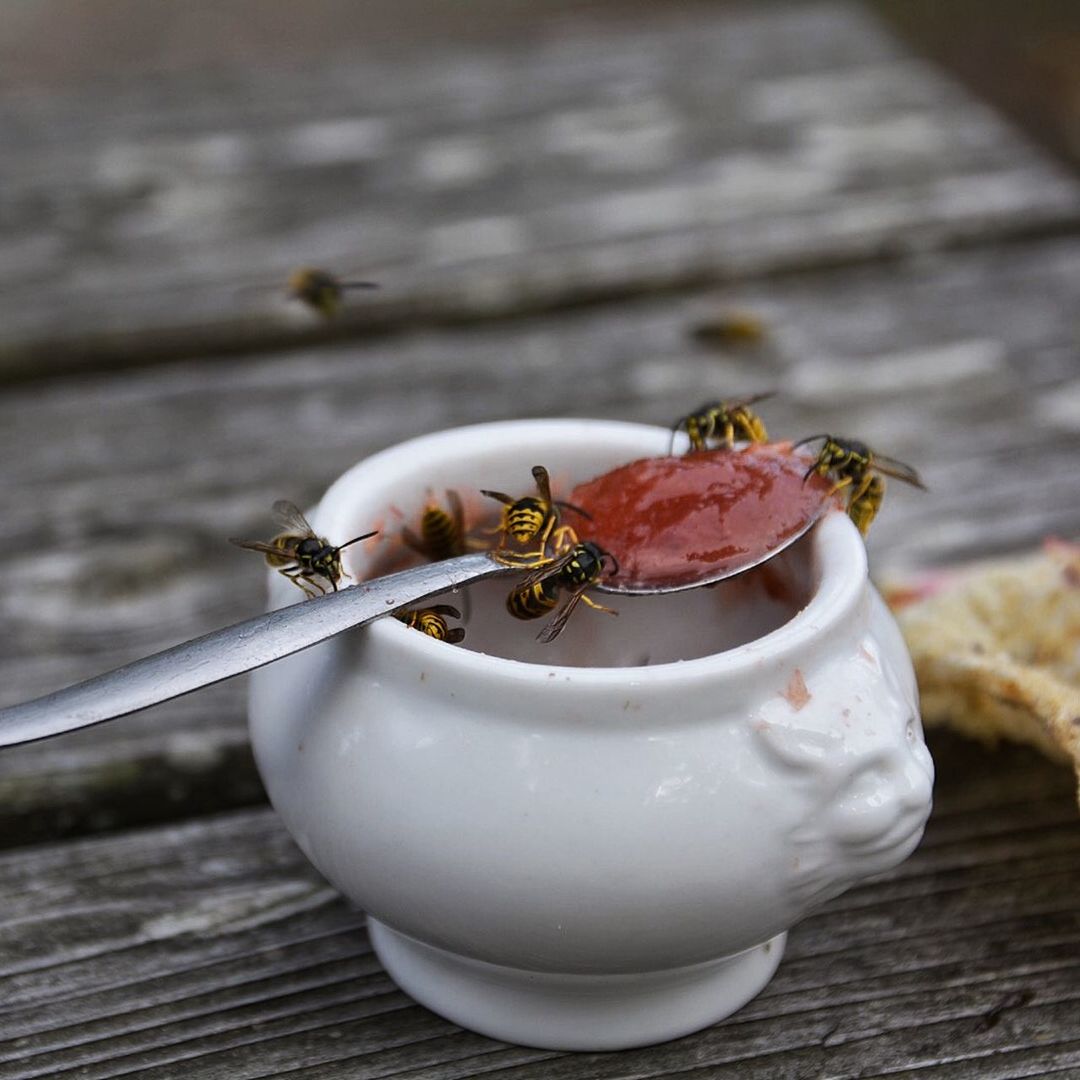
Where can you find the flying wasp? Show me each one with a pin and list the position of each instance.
(532, 520)
(730, 329)
(442, 531)
(729, 421)
(322, 291)
(853, 465)
(299, 554)
(574, 572)
(432, 621)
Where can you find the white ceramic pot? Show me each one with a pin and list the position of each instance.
(598, 843)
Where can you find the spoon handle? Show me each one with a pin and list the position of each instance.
(234, 650)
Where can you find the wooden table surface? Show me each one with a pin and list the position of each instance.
(551, 214)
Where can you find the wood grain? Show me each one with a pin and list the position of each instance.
(211, 949)
(586, 159)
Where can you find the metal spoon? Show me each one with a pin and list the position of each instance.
(250, 644)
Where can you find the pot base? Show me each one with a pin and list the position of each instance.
(574, 1012)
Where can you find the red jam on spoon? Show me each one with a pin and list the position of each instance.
(674, 522)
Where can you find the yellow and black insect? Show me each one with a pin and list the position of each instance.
(442, 531)
(852, 464)
(299, 554)
(572, 573)
(532, 521)
(728, 421)
(730, 329)
(442, 534)
(322, 291)
(432, 621)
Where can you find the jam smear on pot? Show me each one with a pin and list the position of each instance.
(673, 521)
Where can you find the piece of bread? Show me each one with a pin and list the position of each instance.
(996, 648)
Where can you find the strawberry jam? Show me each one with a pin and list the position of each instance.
(673, 522)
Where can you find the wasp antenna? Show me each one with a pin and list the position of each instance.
(570, 506)
(809, 439)
(360, 285)
(355, 539)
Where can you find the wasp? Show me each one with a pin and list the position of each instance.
(574, 572)
(299, 554)
(432, 621)
(730, 329)
(322, 291)
(730, 421)
(532, 520)
(853, 465)
(442, 531)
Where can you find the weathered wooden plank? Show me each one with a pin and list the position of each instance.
(211, 949)
(589, 158)
(126, 484)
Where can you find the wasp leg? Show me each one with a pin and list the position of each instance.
(700, 436)
(563, 539)
(311, 576)
(524, 559)
(299, 578)
(840, 485)
(598, 607)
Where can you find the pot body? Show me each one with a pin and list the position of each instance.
(593, 853)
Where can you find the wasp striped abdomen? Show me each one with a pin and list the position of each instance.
(531, 601)
(442, 531)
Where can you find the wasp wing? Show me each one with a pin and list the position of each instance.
(261, 546)
(543, 483)
(555, 627)
(546, 570)
(457, 512)
(898, 470)
(291, 519)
